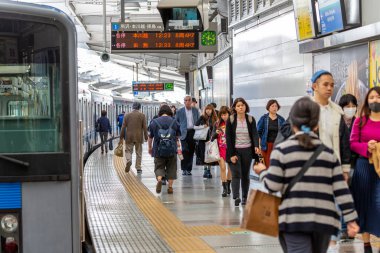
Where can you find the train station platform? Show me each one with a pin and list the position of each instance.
(125, 214)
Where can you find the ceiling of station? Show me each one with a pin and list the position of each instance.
(88, 16)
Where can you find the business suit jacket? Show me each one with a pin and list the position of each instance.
(182, 120)
(135, 125)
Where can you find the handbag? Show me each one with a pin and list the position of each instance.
(201, 134)
(212, 152)
(261, 210)
(119, 150)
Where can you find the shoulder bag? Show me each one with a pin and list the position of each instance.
(261, 211)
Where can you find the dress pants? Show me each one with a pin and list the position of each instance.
(312, 242)
(188, 148)
(240, 172)
(129, 151)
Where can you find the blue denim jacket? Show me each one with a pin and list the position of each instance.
(262, 129)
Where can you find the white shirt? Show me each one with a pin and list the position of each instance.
(189, 118)
(326, 126)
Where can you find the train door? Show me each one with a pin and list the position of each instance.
(39, 156)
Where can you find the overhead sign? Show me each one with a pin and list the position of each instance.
(331, 17)
(304, 17)
(154, 41)
(152, 86)
(126, 41)
(138, 26)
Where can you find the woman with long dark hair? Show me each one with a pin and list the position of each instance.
(242, 147)
(364, 141)
(207, 119)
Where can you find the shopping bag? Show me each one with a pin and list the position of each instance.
(201, 134)
(119, 150)
(261, 213)
(212, 152)
(110, 145)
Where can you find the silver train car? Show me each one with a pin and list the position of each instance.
(39, 148)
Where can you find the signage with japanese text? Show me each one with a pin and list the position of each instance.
(331, 16)
(152, 86)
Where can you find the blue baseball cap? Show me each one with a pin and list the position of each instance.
(318, 74)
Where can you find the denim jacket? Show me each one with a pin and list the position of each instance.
(262, 129)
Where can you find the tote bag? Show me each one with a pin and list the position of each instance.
(261, 213)
(212, 152)
(201, 134)
(119, 150)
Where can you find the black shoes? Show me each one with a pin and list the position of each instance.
(244, 201)
(188, 173)
(237, 201)
(228, 187)
(207, 173)
(224, 194)
(184, 173)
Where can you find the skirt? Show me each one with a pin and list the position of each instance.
(365, 188)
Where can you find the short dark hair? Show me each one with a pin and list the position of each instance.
(237, 100)
(271, 102)
(165, 109)
(104, 113)
(194, 100)
(305, 113)
(213, 104)
(346, 99)
(136, 106)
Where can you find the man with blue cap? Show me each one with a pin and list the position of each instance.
(332, 130)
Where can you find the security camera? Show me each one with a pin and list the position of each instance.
(105, 57)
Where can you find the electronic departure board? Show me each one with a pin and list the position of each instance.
(125, 40)
(152, 86)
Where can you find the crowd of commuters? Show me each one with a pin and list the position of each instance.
(339, 193)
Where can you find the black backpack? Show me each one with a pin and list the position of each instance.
(167, 146)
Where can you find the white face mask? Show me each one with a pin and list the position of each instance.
(349, 112)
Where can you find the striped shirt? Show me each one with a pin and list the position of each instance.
(242, 135)
(310, 204)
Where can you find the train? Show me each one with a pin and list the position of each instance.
(42, 149)
(92, 101)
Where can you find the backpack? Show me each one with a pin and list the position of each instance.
(167, 146)
(120, 119)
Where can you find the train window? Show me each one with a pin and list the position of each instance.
(31, 109)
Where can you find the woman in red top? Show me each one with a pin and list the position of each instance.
(220, 133)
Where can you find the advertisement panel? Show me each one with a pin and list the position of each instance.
(349, 67)
(331, 16)
(374, 63)
(303, 13)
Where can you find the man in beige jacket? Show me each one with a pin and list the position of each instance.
(134, 132)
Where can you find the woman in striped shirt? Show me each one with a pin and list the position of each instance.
(308, 215)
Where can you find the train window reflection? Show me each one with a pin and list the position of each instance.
(30, 88)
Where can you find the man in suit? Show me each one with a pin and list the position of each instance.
(187, 117)
(134, 127)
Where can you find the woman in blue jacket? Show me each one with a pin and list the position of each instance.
(268, 127)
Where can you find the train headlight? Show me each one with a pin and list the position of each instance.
(9, 223)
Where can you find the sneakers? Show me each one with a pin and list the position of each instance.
(158, 186)
(170, 190)
(128, 167)
(333, 249)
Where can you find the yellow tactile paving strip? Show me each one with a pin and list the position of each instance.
(180, 238)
